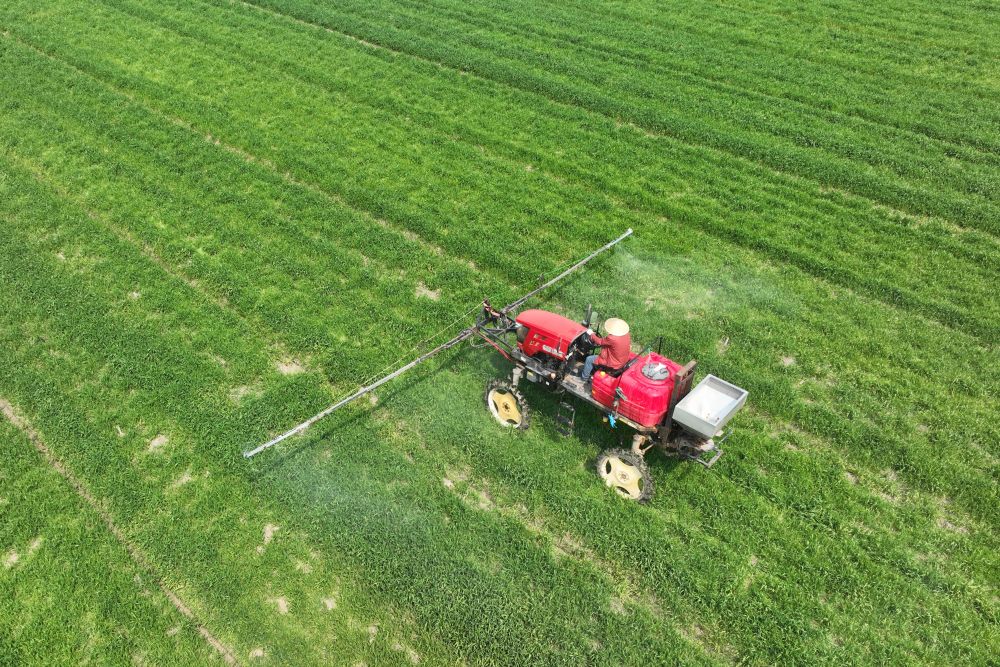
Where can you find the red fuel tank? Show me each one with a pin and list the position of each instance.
(647, 386)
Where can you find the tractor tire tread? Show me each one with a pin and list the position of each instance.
(522, 403)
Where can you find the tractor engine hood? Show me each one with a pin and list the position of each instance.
(547, 332)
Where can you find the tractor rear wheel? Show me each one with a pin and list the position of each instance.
(627, 473)
(507, 404)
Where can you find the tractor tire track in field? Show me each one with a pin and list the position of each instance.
(890, 297)
(12, 415)
(648, 131)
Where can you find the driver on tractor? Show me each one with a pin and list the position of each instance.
(616, 348)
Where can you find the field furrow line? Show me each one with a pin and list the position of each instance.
(495, 145)
(716, 146)
(678, 71)
(272, 337)
(766, 42)
(248, 157)
(134, 550)
(890, 296)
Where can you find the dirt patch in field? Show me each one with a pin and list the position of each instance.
(945, 524)
(269, 531)
(303, 567)
(182, 480)
(10, 560)
(158, 442)
(787, 361)
(851, 477)
(372, 632)
(330, 603)
(257, 653)
(134, 295)
(237, 394)
(722, 346)
(281, 603)
(618, 606)
(290, 367)
(427, 293)
(413, 656)
(137, 555)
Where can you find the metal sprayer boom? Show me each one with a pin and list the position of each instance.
(463, 335)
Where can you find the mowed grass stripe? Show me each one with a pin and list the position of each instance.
(780, 156)
(942, 308)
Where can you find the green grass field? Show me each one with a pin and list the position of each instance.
(218, 216)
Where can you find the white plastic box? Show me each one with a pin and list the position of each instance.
(709, 406)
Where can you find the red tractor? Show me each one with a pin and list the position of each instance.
(650, 394)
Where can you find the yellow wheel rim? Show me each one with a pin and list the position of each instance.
(624, 478)
(503, 404)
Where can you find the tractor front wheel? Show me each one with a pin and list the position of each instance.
(507, 404)
(627, 473)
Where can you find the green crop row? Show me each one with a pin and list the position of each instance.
(318, 338)
(92, 368)
(679, 565)
(192, 197)
(940, 286)
(825, 68)
(69, 593)
(491, 126)
(667, 74)
(590, 86)
(301, 254)
(409, 544)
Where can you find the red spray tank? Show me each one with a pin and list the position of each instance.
(647, 386)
